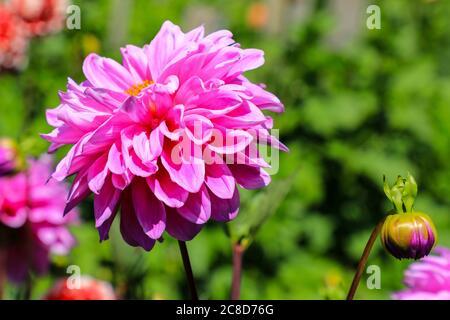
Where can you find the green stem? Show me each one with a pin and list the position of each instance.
(238, 252)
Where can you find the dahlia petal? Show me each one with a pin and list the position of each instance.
(221, 37)
(105, 203)
(172, 135)
(132, 161)
(263, 99)
(141, 145)
(63, 135)
(263, 137)
(115, 162)
(162, 48)
(247, 115)
(136, 110)
(78, 192)
(130, 227)
(225, 210)
(249, 177)
(149, 210)
(214, 102)
(121, 181)
(196, 34)
(97, 174)
(219, 180)
(198, 128)
(166, 190)
(105, 135)
(187, 171)
(180, 228)
(135, 61)
(197, 208)
(106, 73)
(250, 59)
(103, 229)
(156, 142)
(229, 141)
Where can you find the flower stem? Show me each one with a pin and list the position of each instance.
(188, 270)
(238, 252)
(363, 260)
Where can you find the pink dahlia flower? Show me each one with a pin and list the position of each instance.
(87, 289)
(40, 17)
(31, 221)
(428, 279)
(166, 135)
(13, 40)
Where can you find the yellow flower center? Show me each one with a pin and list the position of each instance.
(137, 88)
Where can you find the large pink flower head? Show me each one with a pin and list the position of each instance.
(428, 279)
(166, 135)
(31, 221)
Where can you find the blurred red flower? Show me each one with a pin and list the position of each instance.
(88, 289)
(40, 17)
(13, 40)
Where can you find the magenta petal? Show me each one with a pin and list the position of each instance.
(135, 61)
(249, 177)
(149, 210)
(180, 228)
(166, 190)
(103, 230)
(224, 210)
(220, 181)
(97, 174)
(78, 192)
(187, 173)
(163, 47)
(136, 110)
(230, 141)
(156, 142)
(115, 161)
(197, 208)
(130, 227)
(106, 73)
(105, 203)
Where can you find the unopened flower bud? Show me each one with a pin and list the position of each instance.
(408, 235)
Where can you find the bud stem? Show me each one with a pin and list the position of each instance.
(363, 259)
(238, 251)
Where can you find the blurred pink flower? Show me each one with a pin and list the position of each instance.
(13, 40)
(40, 17)
(31, 222)
(87, 289)
(8, 156)
(428, 279)
(151, 134)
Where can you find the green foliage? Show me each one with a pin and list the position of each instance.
(380, 105)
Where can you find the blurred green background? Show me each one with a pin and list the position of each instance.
(359, 103)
